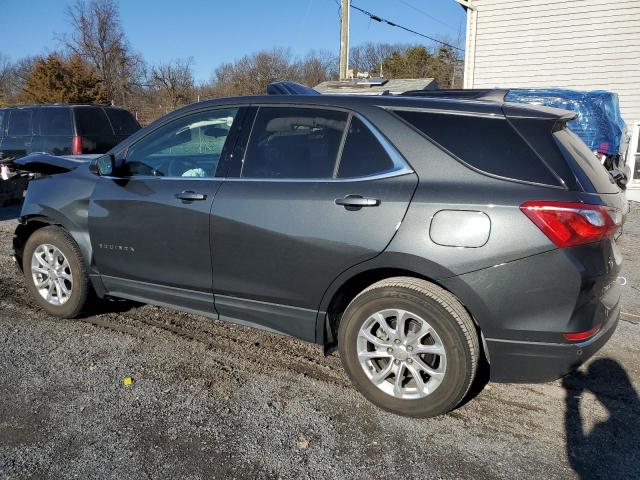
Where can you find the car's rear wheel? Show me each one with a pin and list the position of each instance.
(55, 272)
(409, 346)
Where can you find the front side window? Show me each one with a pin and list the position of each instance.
(190, 146)
(292, 143)
(20, 122)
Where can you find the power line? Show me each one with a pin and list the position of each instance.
(378, 18)
(428, 15)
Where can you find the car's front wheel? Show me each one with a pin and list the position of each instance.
(55, 272)
(409, 346)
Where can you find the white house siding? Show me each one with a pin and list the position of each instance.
(579, 44)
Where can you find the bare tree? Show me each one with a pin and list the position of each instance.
(13, 77)
(317, 66)
(369, 56)
(99, 39)
(174, 81)
(251, 74)
(6, 71)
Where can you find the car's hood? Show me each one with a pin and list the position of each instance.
(50, 164)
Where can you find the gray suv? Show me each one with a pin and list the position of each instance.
(425, 238)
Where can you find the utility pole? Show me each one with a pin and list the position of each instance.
(344, 38)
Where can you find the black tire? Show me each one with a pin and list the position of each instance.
(448, 318)
(81, 291)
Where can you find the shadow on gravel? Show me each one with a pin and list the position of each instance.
(612, 448)
(110, 305)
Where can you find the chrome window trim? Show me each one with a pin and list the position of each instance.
(389, 174)
(400, 165)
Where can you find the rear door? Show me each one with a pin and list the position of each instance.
(19, 133)
(317, 191)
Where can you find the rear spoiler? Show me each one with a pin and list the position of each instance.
(49, 164)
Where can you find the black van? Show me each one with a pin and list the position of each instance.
(63, 129)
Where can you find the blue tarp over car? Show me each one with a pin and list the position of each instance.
(599, 123)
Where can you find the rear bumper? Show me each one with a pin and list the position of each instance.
(535, 362)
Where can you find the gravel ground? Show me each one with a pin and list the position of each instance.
(214, 400)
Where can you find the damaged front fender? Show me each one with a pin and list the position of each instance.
(46, 164)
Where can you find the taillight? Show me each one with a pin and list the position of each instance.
(568, 224)
(76, 145)
(577, 336)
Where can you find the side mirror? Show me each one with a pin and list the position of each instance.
(105, 165)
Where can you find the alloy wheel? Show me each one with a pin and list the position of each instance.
(51, 274)
(401, 354)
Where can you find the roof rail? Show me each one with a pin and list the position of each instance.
(485, 94)
(290, 88)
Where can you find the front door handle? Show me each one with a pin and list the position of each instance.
(357, 201)
(190, 196)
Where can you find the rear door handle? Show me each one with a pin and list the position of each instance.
(190, 196)
(357, 201)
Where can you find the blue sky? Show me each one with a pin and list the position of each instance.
(217, 31)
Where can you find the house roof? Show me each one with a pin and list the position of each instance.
(367, 87)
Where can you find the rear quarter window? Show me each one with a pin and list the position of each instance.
(488, 144)
(122, 121)
(92, 121)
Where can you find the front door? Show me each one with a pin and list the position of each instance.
(319, 191)
(149, 224)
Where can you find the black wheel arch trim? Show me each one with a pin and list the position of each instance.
(52, 217)
(385, 265)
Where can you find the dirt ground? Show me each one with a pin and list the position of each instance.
(214, 400)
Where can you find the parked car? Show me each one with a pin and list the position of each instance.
(62, 129)
(422, 237)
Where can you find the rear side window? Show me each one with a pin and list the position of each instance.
(576, 152)
(486, 143)
(20, 122)
(92, 121)
(122, 121)
(294, 143)
(2, 115)
(362, 154)
(55, 121)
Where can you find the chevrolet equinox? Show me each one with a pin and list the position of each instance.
(422, 237)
